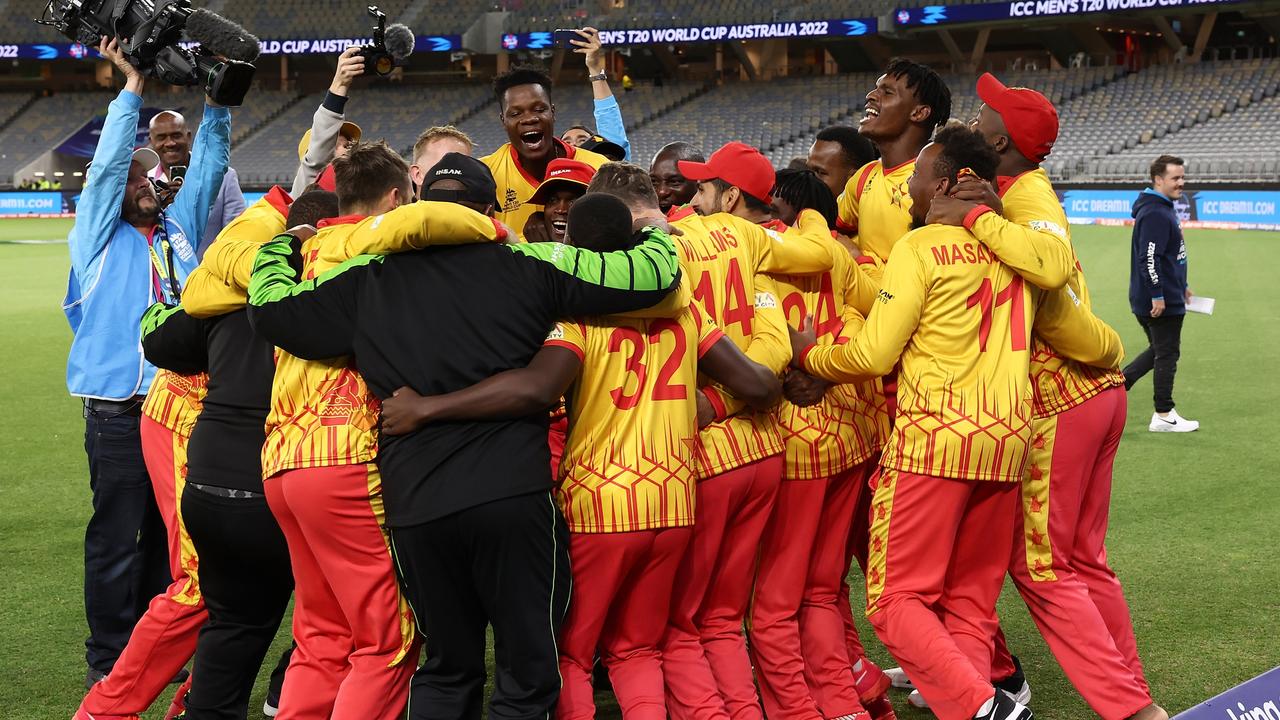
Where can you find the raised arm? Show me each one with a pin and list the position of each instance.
(326, 123)
(100, 203)
(220, 283)
(583, 282)
(173, 340)
(210, 153)
(607, 114)
(313, 320)
(892, 322)
(515, 393)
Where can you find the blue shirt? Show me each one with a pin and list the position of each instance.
(116, 271)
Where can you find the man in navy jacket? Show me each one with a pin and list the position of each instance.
(1158, 291)
(127, 253)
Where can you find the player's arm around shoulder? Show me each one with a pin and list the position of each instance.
(413, 227)
(889, 326)
(805, 249)
(220, 283)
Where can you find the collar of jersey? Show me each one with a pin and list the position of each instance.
(340, 220)
(1004, 182)
(569, 152)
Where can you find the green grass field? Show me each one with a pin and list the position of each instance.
(1193, 534)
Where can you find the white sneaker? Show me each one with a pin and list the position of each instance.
(898, 678)
(1173, 422)
(917, 700)
(270, 710)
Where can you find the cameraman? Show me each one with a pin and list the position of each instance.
(126, 253)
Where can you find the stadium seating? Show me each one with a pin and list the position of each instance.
(270, 155)
(43, 125)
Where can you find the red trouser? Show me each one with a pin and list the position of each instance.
(620, 603)
(773, 627)
(165, 637)
(936, 566)
(354, 634)
(704, 654)
(822, 633)
(1059, 560)
(859, 532)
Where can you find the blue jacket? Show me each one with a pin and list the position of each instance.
(609, 124)
(113, 278)
(1159, 256)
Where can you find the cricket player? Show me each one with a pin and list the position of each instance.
(1060, 567)
(946, 498)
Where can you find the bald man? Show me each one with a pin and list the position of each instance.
(171, 140)
(674, 189)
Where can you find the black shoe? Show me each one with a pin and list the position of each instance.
(180, 677)
(1016, 684)
(93, 677)
(1005, 708)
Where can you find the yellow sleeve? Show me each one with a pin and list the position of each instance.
(220, 283)
(860, 289)
(1039, 251)
(804, 250)
(412, 227)
(889, 327)
(770, 343)
(1074, 331)
(671, 306)
(852, 322)
(847, 206)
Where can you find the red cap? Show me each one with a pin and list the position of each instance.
(738, 164)
(326, 180)
(563, 170)
(1029, 117)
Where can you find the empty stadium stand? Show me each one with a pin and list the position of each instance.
(1220, 116)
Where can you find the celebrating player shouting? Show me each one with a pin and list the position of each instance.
(945, 502)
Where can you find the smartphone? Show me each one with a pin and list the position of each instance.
(562, 36)
(177, 171)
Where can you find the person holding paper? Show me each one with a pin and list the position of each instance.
(1158, 292)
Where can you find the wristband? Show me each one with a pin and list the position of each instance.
(602, 75)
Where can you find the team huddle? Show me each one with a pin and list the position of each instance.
(638, 419)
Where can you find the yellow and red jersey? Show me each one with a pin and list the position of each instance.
(220, 283)
(961, 322)
(1032, 206)
(175, 400)
(213, 288)
(850, 424)
(322, 412)
(876, 206)
(516, 185)
(726, 260)
(629, 461)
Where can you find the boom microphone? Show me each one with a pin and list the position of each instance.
(399, 42)
(224, 37)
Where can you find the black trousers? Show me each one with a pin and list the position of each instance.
(246, 581)
(505, 564)
(126, 551)
(1164, 340)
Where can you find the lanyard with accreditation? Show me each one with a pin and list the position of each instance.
(162, 272)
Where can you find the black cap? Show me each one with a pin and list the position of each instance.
(607, 148)
(477, 181)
